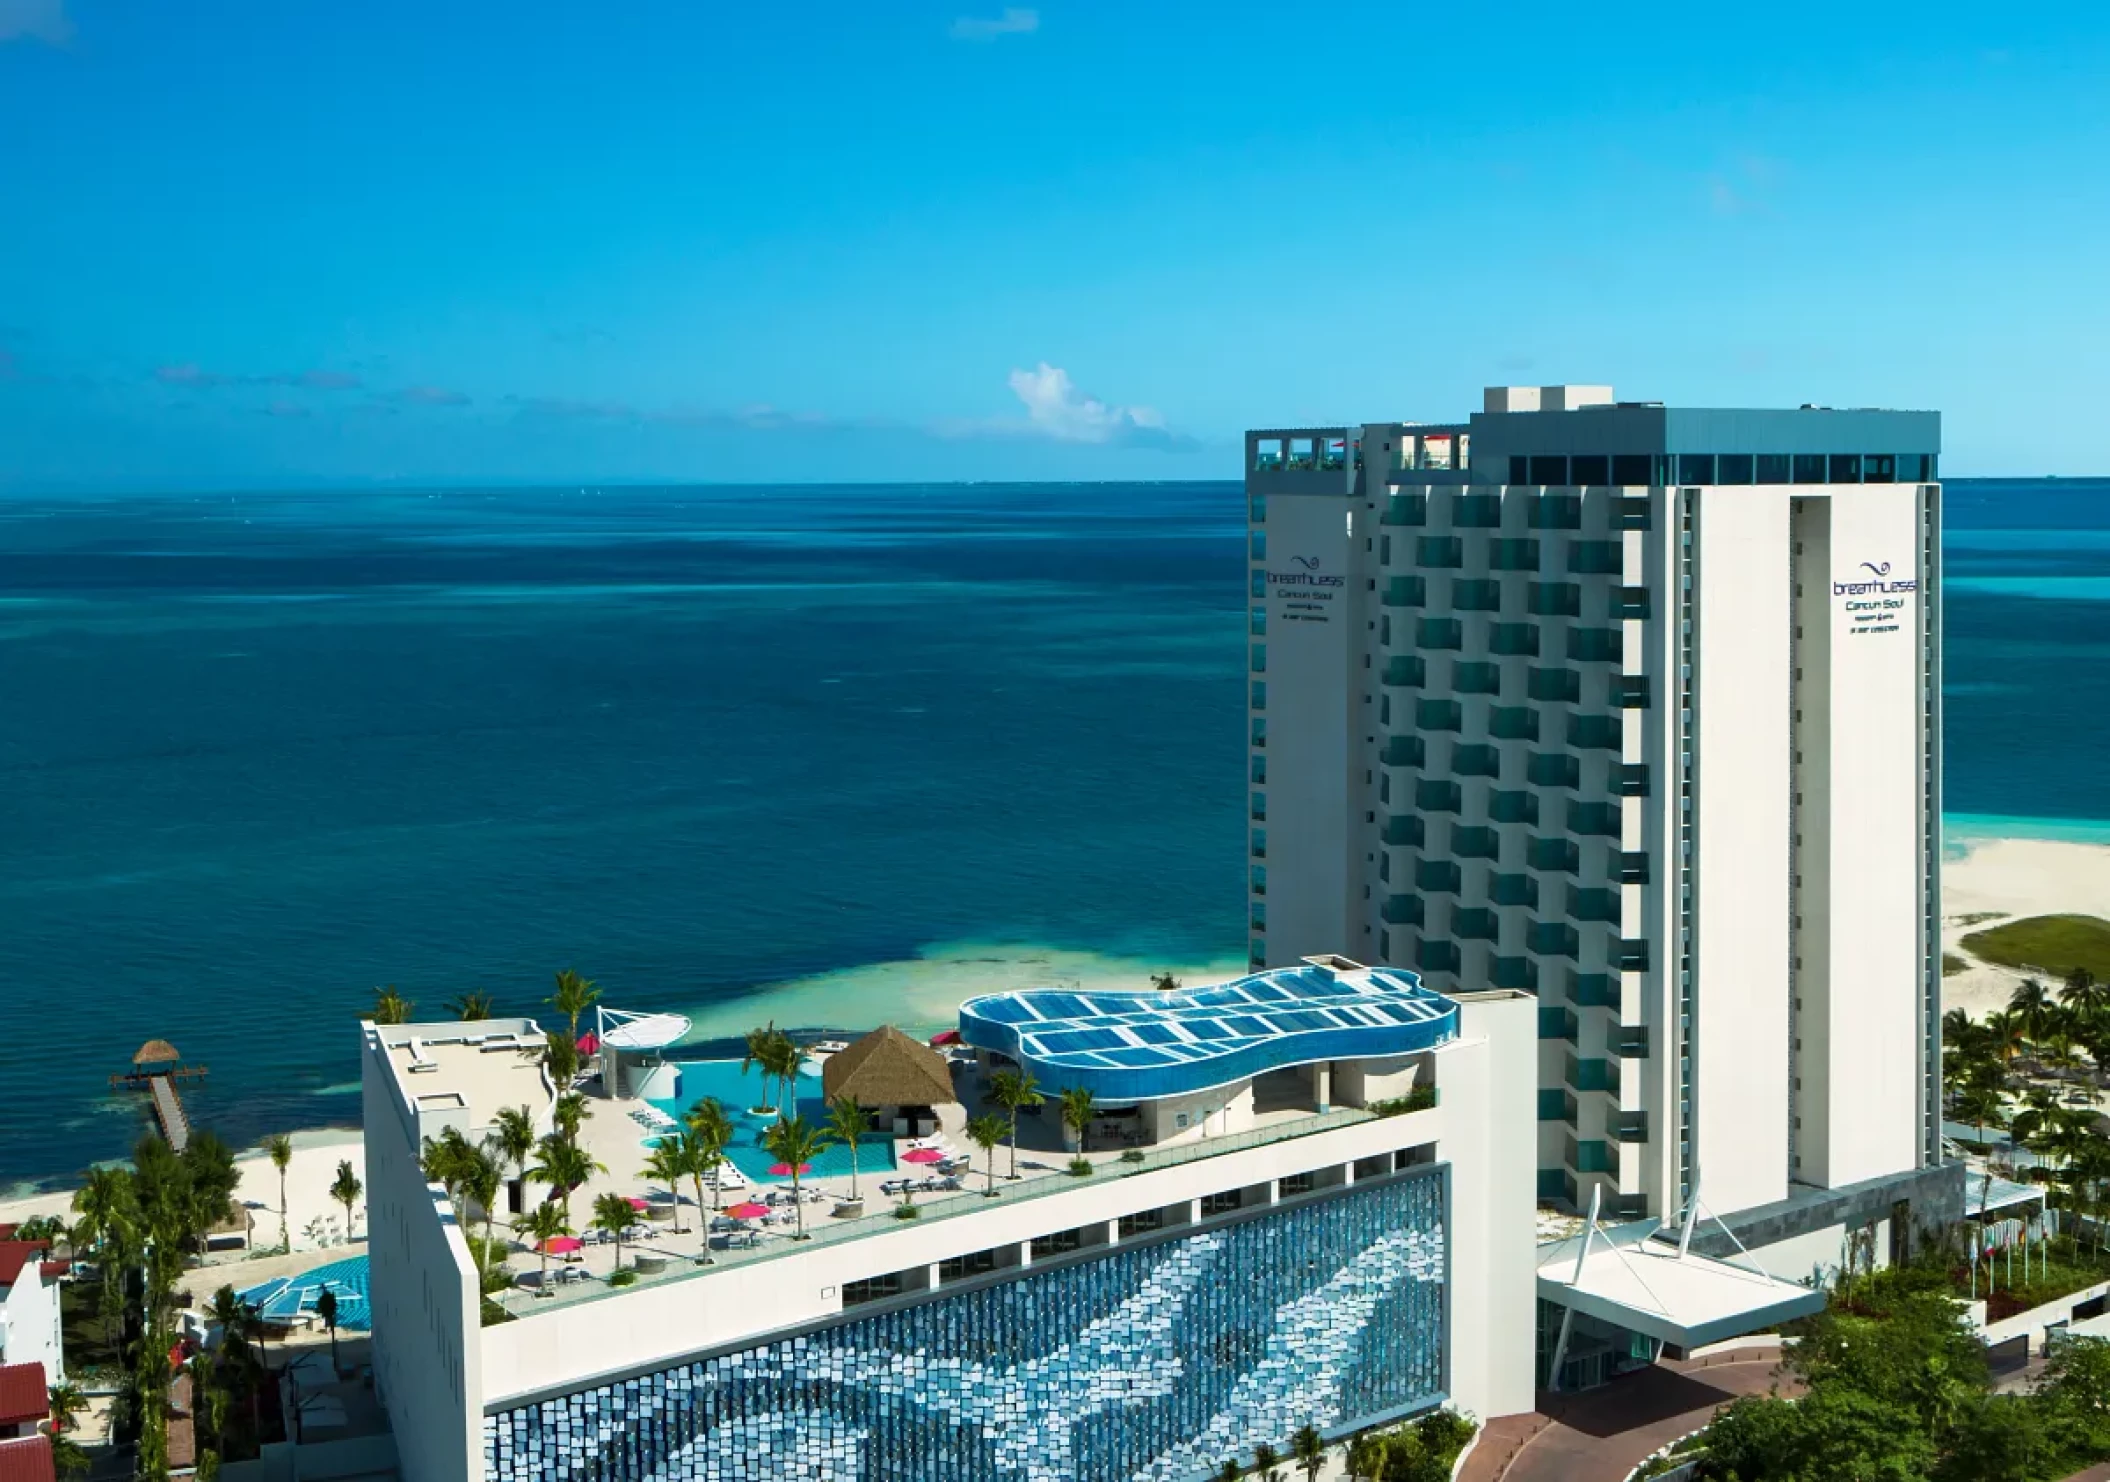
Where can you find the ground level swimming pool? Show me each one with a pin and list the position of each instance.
(737, 1090)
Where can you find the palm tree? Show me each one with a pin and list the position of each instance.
(68, 1456)
(1230, 1471)
(761, 1052)
(567, 1113)
(1980, 1103)
(445, 1159)
(560, 1057)
(2084, 995)
(564, 1166)
(2005, 1034)
(986, 1132)
(107, 1206)
(668, 1165)
(1309, 1448)
(66, 1401)
(542, 1224)
(574, 996)
(472, 1006)
(714, 1134)
(480, 1179)
(391, 1007)
(612, 1213)
(513, 1138)
(795, 1142)
(847, 1122)
(785, 1057)
(280, 1147)
(1014, 1090)
(326, 1309)
(2031, 1005)
(1165, 982)
(1077, 1113)
(346, 1191)
(1267, 1462)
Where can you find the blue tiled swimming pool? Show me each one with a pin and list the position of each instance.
(737, 1090)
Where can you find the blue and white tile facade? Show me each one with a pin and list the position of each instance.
(1150, 1363)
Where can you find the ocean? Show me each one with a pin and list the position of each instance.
(828, 754)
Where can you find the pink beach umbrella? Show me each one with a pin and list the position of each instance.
(748, 1211)
(923, 1155)
(562, 1245)
(637, 1203)
(783, 1170)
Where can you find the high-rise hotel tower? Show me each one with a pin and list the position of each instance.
(1637, 708)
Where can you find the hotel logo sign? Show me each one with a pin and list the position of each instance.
(1308, 575)
(1306, 593)
(1874, 602)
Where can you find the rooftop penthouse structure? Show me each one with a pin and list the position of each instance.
(1355, 1245)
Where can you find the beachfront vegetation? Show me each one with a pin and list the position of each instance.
(280, 1149)
(795, 1143)
(1014, 1091)
(847, 1124)
(707, 1133)
(2057, 945)
(612, 1215)
(1165, 982)
(573, 997)
(667, 1164)
(1077, 1113)
(564, 1166)
(472, 1006)
(1896, 1386)
(777, 1056)
(346, 1189)
(391, 1007)
(542, 1224)
(1951, 964)
(1421, 1450)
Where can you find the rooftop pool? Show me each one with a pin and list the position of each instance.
(736, 1090)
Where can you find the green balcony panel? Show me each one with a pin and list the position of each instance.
(1595, 557)
(1596, 732)
(1594, 820)
(1404, 751)
(1514, 640)
(1552, 939)
(1406, 671)
(1475, 759)
(1562, 856)
(1553, 1104)
(1555, 599)
(1553, 769)
(1557, 512)
(1402, 910)
(1259, 545)
(1556, 1022)
(1590, 1073)
(1476, 511)
(1556, 1183)
(1437, 957)
(1595, 990)
(1403, 828)
(1469, 594)
(1513, 554)
(1590, 904)
(1519, 973)
(1513, 807)
(1513, 723)
(1476, 677)
(1596, 645)
(1406, 591)
(1406, 509)
(1439, 552)
(1438, 876)
(1514, 890)
(1439, 633)
(1554, 685)
(1475, 924)
(1475, 841)
(1592, 1155)
(1438, 795)
(1439, 715)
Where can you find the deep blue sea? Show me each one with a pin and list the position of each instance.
(264, 752)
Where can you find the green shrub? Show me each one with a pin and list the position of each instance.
(1080, 1167)
(906, 1210)
(623, 1278)
(2056, 944)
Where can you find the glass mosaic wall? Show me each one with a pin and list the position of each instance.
(1151, 1363)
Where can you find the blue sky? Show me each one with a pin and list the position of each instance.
(288, 241)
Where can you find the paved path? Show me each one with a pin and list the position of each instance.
(1602, 1434)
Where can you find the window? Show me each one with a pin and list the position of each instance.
(1259, 622)
(1599, 820)
(1439, 715)
(1595, 557)
(1595, 732)
(1260, 730)
(1595, 991)
(1406, 509)
(1514, 890)
(1631, 780)
(872, 1289)
(1476, 511)
(1809, 468)
(1267, 453)
(1879, 468)
(1593, 1156)
(1519, 469)
(1260, 915)
(1259, 545)
(1475, 677)
(1259, 769)
(1558, 511)
(1438, 795)
(1471, 595)
(1404, 751)
(1846, 468)
(1061, 1243)
(1555, 599)
(1918, 468)
(959, 1267)
(1696, 468)
(1260, 658)
(1588, 468)
(1403, 829)
(1474, 760)
(1513, 723)
(1553, 684)
(1630, 602)
(1632, 956)
(1259, 813)
(1437, 957)
(1593, 905)
(1409, 671)
(1553, 1105)
(1474, 841)
(1559, 856)
(1630, 512)
(1334, 454)
(1260, 694)
(1549, 469)
(1630, 691)
(1384, 550)
(1258, 507)
(1140, 1223)
(1551, 939)
(1402, 910)
(1556, 1022)
(1633, 867)
(1441, 552)
(1513, 553)
(1260, 843)
(1301, 453)
(1475, 924)
(1513, 807)
(1733, 468)
(1293, 1184)
(1439, 633)
(1406, 591)
(1631, 469)
(1220, 1203)
(1773, 468)
(1596, 645)
(1552, 769)
(1513, 640)
(1438, 876)
(1259, 583)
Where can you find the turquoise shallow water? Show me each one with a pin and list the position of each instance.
(272, 750)
(737, 1091)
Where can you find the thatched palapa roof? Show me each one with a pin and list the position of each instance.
(156, 1052)
(887, 1068)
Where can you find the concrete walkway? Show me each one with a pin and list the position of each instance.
(1602, 1434)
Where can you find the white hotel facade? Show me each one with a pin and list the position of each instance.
(1636, 709)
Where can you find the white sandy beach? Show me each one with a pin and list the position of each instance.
(2010, 878)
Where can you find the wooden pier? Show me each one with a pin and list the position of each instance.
(155, 1071)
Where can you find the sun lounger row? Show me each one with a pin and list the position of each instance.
(919, 1185)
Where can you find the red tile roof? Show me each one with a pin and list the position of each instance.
(15, 1254)
(27, 1460)
(22, 1393)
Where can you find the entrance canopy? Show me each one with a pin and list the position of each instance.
(1631, 1278)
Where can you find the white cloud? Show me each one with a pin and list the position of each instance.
(40, 20)
(1013, 22)
(1056, 409)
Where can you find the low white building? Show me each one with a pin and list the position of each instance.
(30, 1330)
